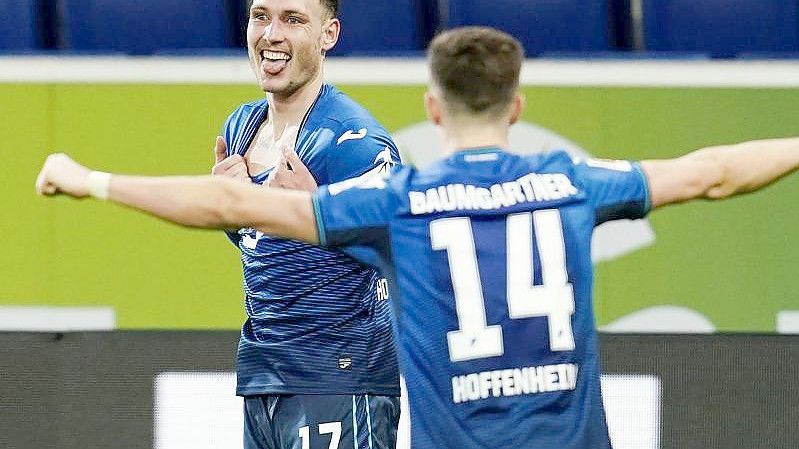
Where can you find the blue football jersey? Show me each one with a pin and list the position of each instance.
(488, 255)
(318, 320)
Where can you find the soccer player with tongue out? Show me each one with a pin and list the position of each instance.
(316, 361)
(490, 253)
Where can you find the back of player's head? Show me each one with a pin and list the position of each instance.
(476, 69)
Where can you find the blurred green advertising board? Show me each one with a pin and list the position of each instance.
(727, 266)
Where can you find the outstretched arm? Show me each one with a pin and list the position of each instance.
(720, 172)
(194, 201)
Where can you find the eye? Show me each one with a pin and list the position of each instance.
(259, 16)
(293, 20)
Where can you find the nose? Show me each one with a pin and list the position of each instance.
(273, 32)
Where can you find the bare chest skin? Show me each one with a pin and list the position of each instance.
(266, 148)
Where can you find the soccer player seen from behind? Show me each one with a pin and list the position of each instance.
(316, 359)
(488, 252)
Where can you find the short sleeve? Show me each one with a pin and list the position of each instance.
(349, 214)
(361, 147)
(617, 189)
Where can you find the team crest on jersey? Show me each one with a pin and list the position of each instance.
(384, 160)
(250, 237)
(345, 363)
(373, 179)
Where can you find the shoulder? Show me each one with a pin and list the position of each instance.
(249, 107)
(408, 178)
(246, 110)
(402, 178)
(396, 186)
(555, 161)
(341, 111)
(555, 158)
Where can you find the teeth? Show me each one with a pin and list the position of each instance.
(275, 55)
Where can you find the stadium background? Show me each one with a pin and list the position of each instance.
(732, 263)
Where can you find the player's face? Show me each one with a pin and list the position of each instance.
(287, 41)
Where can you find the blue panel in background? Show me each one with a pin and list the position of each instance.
(19, 30)
(384, 27)
(723, 28)
(541, 25)
(583, 29)
(144, 26)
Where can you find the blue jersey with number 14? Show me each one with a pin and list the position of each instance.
(489, 254)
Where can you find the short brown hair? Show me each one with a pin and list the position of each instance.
(331, 6)
(476, 68)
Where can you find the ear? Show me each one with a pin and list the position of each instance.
(330, 32)
(516, 108)
(433, 108)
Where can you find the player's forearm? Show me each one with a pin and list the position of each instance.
(189, 201)
(218, 203)
(720, 172)
(749, 166)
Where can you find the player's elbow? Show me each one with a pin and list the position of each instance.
(716, 179)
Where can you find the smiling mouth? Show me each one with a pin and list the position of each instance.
(273, 62)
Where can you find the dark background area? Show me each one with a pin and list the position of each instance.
(95, 389)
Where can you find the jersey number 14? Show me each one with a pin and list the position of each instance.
(553, 299)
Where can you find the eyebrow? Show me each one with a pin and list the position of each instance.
(256, 8)
(265, 8)
(290, 11)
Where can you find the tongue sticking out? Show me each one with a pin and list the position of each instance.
(273, 66)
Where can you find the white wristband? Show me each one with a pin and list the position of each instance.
(98, 184)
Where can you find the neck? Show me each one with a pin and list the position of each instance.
(289, 110)
(465, 134)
